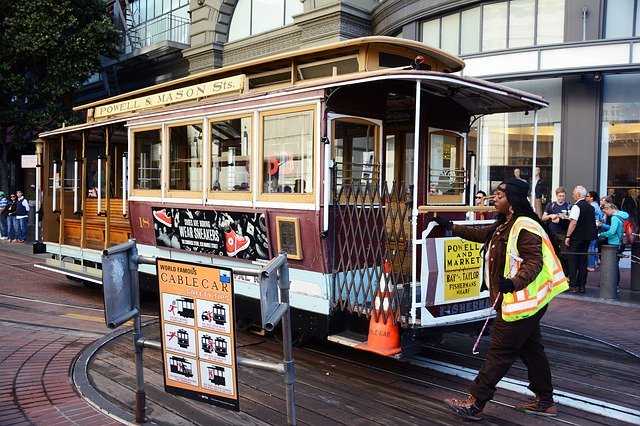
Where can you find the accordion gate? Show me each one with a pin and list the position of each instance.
(371, 226)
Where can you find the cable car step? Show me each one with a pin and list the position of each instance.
(348, 338)
(85, 273)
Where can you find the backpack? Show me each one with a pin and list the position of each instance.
(629, 232)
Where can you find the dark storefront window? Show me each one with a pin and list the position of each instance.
(621, 134)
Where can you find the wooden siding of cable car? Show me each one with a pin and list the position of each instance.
(95, 234)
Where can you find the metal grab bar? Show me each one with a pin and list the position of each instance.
(76, 186)
(55, 194)
(100, 212)
(125, 184)
(455, 209)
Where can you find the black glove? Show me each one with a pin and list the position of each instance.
(506, 286)
(445, 223)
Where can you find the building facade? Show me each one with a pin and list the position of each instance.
(581, 55)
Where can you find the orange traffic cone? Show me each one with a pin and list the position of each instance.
(384, 335)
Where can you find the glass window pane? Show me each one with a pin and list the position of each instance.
(185, 158)
(621, 133)
(431, 33)
(619, 19)
(240, 26)
(148, 159)
(293, 7)
(637, 31)
(521, 23)
(230, 155)
(183, 13)
(470, 34)
(451, 33)
(446, 176)
(355, 147)
(266, 14)
(494, 26)
(287, 162)
(507, 140)
(151, 10)
(550, 22)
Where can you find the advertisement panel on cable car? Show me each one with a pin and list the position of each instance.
(452, 276)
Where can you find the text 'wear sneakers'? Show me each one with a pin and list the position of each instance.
(538, 407)
(469, 409)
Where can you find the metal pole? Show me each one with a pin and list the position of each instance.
(635, 266)
(609, 272)
(137, 336)
(289, 367)
(534, 163)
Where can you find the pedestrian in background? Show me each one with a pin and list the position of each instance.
(594, 259)
(22, 216)
(582, 229)
(11, 217)
(614, 232)
(4, 202)
(629, 204)
(519, 260)
(556, 214)
(482, 200)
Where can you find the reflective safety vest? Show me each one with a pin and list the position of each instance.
(550, 282)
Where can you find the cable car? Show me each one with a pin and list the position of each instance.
(337, 155)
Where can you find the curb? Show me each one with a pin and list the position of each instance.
(80, 379)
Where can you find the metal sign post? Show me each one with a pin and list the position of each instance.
(122, 303)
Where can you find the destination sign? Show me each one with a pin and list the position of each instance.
(183, 94)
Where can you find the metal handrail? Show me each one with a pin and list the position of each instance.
(455, 209)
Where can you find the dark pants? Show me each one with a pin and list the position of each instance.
(577, 262)
(561, 254)
(510, 341)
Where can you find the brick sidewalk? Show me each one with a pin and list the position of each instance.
(35, 384)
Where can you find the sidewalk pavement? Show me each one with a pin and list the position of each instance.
(36, 387)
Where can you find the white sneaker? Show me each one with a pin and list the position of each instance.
(4, 238)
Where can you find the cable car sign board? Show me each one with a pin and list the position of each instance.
(452, 275)
(198, 332)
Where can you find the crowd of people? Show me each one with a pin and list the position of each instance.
(584, 225)
(14, 215)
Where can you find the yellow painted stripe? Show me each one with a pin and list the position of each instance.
(90, 318)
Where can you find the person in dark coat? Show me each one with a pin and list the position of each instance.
(581, 230)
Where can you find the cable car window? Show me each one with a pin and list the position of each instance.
(185, 157)
(446, 171)
(230, 155)
(355, 152)
(147, 159)
(287, 152)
